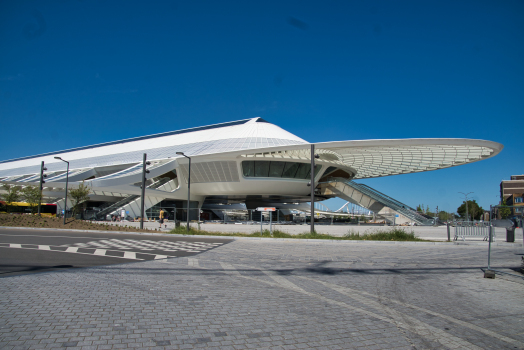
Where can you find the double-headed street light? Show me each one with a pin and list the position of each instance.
(67, 180)
(466, 195)
(188, 186)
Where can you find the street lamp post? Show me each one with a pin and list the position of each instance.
(143, 190)
(188, 185)
(312, 184)
(466, 195)
(67, 181)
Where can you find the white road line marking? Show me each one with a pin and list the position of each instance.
(62, 251)
(351, 292)
(420, 327)
(130, 255)
(71, 250)
(193, 262)
(101, 252)
(281, 280)
(230, 269)
(44, 247)
(12, 245)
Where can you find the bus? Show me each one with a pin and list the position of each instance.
(24, 208)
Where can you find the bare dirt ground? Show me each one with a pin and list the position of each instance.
(18, 220)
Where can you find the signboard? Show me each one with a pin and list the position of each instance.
(63, 212)
(123, 213)
(502, 223)
(266, 209)
(127, 212)
(397, 215)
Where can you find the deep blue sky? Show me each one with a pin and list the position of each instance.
(75, 73)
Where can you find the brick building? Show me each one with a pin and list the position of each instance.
(512, 191)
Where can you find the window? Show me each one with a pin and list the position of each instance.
(303, 171)
(248, 168)
(276, 169)
(518, 199)
(289, 170)
(262, 168)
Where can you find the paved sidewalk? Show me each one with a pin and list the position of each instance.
(279, 295)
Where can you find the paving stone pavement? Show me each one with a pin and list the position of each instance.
(278, 295)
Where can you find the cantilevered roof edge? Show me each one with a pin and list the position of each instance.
(169, 133)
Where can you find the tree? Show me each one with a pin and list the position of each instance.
(419, 207)
(12, 195)
(504, 211)
(33, 196)
(78, 196)
(474, 210)
(443, 216)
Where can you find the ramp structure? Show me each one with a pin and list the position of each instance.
(385, 207)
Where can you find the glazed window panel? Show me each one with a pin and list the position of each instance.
(290, 170)
(303, 171)
(262, 168)
(276, 169)
(248, 168)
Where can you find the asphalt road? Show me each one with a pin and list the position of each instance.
(30, 251)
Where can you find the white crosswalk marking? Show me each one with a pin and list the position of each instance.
(100, 252)
(120, 248)
(96, 244)
(148, 245)
(114, 244)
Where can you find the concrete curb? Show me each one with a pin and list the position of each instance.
(496, 244)
(267, 239)
(75, 230)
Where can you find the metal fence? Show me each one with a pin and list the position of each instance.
(472, 229)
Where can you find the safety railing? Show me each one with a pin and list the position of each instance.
(392, 203)
(465, 229)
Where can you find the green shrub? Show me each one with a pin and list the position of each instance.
(394, 234)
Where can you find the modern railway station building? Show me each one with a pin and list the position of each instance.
(240, 164)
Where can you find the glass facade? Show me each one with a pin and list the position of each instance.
(288, 170)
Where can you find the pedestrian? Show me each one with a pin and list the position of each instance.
(161, 219)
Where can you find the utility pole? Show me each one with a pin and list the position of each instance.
(188, 187)
(142, 199)
(67, 181)
(467, 204)
(312, 184)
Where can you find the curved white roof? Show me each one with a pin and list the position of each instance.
(258, 138)
(376, 158)
(219, 138)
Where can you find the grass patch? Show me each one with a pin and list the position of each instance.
(393, 234)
